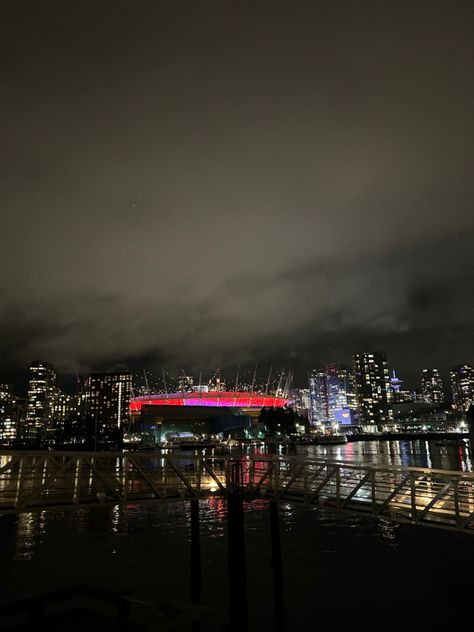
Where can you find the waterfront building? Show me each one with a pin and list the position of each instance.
(109, 397)
(7, 420)
(159, 423)
(462, 384)
(332, 391)
(432, 386)
(415, 415)
(374, 395)
(340, 389)
(41, 392)
(318, 397)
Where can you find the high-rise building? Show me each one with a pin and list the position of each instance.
(462, 384)
(340, 389)
(41, 393)
(301, 400)
(61, 408)
(432, 386)
(7, 418)
(373, 388)
(332, 390)
(318, 397)
(109, 401)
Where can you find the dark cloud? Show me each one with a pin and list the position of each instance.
(217, 183)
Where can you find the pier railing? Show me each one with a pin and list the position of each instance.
(36, 481)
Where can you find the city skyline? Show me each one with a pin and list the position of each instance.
(116, 407)
(429, 384)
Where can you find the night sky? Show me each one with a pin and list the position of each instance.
(202, 184)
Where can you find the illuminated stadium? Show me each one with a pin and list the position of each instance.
(230, 399)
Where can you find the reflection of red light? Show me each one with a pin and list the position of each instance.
(229, 399)
(217, 505)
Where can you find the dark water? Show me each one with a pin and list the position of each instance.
(336, 568)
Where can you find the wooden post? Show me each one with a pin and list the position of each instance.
(277, 566)
(195, 560)
(236, 551)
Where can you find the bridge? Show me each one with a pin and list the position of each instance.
(37, 481)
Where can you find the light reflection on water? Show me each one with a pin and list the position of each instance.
(145, 548)
(418, 453)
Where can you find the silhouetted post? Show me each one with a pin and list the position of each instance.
(236, 549)
(277, 566)
(195, 553)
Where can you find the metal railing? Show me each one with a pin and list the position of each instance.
(32, 481)
(436, 498)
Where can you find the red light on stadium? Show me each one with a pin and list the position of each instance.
(234, 399)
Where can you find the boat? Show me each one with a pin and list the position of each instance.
(330, 439)
(196, 444)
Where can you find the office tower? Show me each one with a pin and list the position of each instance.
(41, 393)
(462, 384)
(432, 386)
(373, 388)
(318, 397)
(7, 418)
(109, 402)
(340, 390)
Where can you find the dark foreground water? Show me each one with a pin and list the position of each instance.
(336, 568)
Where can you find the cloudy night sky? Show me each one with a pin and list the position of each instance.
(202, 184)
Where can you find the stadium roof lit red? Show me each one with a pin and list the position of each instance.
(236, 399)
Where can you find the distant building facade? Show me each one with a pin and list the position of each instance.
(432, 387)
(41, 394)
(332, 391)
(301, 400)
(374, 394)
(61, 408)
(462, 384)
(340, 389)
(109, 401)
(8, 427)
(318, 397)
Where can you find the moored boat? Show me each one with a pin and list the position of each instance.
(331, 439)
